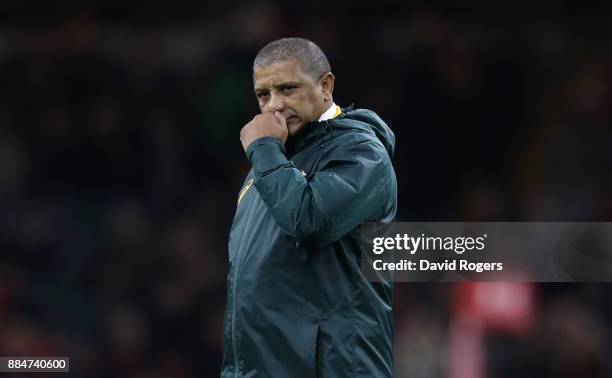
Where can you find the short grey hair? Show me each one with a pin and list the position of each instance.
(308, 55)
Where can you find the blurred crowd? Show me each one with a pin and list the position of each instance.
(120, 166)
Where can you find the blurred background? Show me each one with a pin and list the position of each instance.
(120, 166)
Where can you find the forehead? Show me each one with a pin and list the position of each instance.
(275, 74)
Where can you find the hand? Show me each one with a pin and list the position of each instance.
(263, 125)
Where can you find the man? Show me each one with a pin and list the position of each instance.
(298, 304)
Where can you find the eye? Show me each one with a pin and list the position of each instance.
(261, 95)
(287, 89)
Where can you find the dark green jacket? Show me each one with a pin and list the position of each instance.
(297, 302)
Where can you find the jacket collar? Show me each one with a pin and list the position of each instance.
(308, 133)
(313, 130)
(331, 112)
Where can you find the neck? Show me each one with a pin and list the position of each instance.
(330, 111)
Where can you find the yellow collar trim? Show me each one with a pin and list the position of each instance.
(338, 111)
(332, 112)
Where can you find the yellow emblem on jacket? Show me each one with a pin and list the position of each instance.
(247, 186)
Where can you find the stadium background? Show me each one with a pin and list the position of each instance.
(120, 165)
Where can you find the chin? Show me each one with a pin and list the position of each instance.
(294, 128)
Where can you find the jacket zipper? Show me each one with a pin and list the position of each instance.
(319, 146)
(238, 262)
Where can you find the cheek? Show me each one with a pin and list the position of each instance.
(305, 108)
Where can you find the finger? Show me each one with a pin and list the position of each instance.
(281, 118)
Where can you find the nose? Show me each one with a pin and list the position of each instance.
(277, 102)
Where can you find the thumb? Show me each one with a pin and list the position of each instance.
(281, 118)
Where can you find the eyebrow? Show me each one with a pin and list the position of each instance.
(283, 84)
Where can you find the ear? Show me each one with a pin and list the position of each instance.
(327, 86)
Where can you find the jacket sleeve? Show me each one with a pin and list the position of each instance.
(348, 189)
